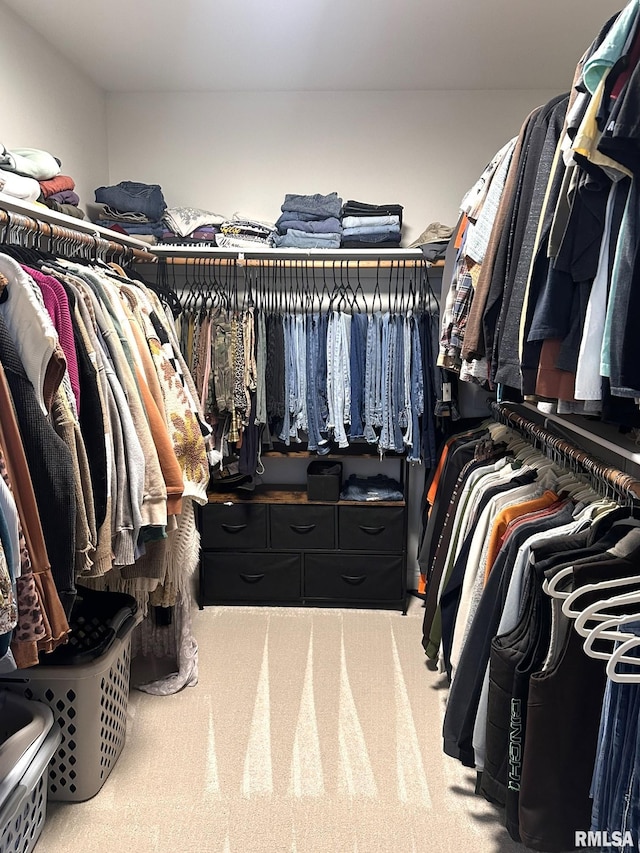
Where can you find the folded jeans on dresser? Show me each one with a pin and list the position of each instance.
(376, 488)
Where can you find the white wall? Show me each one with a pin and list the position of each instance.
(46, 103)
(240, 152)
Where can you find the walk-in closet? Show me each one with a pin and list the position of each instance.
(319, 427)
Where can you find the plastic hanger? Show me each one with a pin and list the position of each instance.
(594, 611)
(620, 656)
(604, 629)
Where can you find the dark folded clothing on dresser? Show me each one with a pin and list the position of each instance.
(361, 208)
(382, 241)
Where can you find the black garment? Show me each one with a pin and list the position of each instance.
(579, 251)
(465, 691)
(427, 330)
(521, 651)
(543, 142)
(51, 468)
(361, 208)
(444, 539)
(90, 418)
(274, 371)
(248, 455)
(505, 247)
(460, 452)
(392, 242)
(539, 276)
(626, 378)
(621, 139)
(513, 657)
(563, 716)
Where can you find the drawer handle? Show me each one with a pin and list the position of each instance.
(252, 578)
(354, 580)
(372, 531)
(302, 528)
(233, 528)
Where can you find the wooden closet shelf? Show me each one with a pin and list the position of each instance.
(286, 494)
(363, 258)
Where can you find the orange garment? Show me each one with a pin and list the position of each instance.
(169, 465)
(464, 222)
(433, 488)
(506, 516)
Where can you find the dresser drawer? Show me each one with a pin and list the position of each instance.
(302, 528)
(251, 577)
(238, 527)
(353, 577)
(370, 528)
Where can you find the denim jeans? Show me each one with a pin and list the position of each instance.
(285, 431)
(616, 781)
(320, 205)
(386, 433)
(378, 487)
(366, 230)
(135, 197)
(429, 346)
(301, 372)
(417, 393)
(303, 240)
(338, 376)
(313, 368)
(359, 325)
(321, 377)
(373, 379)
(315, 226)
(397, 394)
(261, 361)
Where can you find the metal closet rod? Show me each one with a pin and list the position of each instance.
(288, 263)
(62, 233)
(621, 483)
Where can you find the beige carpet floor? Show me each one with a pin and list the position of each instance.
(310, 731)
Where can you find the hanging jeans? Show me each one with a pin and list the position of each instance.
(316, 364)
(338, 376)
(416, 407)
(373, 378)
(359, 325)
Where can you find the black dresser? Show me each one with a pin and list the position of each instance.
(278, 547)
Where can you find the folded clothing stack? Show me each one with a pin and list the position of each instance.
(130, 207)
(244, 233)
(371, 226)
(310, 222)
(31, 174)
(59, 193)
(191, 226)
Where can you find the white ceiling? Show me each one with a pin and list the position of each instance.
(320, 45)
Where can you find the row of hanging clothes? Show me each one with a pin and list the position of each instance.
(322, 353)
(103, 446)
(541, 268)
(531, 555)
